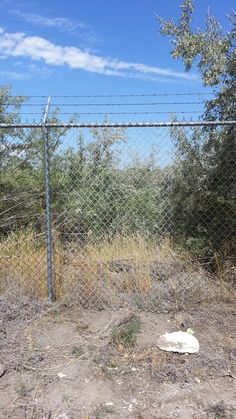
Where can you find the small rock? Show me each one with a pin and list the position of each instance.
(130, 407)
(2, 370)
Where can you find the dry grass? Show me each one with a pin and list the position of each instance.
(133, 248)
(106, 272)
(23, 263)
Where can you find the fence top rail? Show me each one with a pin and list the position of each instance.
(119, 124)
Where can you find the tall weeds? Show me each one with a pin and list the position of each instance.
(131, 266)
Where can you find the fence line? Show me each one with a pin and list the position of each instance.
(122, 124)
(112, 225)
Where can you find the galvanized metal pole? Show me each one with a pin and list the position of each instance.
(48, 202)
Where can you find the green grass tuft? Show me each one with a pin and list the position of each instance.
(77, 351)
(125, 333)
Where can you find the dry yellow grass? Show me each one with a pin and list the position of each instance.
(118, 264)
(133, 248)
(99, 271)
(23, 263)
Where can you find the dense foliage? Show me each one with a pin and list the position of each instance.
(192, 199)
(203, 186)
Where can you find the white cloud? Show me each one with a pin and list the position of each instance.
(40, 49)
(62, 23)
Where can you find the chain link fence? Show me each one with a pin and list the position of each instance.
(116, 215)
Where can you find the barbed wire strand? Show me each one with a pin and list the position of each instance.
(115, 95)
(110, 104)
(113, 113)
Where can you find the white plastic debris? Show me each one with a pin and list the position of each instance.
(182, 342)
(61, 375)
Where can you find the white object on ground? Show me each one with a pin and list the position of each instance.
(61, 375)
(2, 370)
(182, 342)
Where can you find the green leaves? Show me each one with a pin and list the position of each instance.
(211, 47)
(201, 190)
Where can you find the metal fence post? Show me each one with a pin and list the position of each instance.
(48, 203)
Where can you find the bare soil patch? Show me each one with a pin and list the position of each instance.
(61, 362)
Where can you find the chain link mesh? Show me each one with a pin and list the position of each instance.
(141, 216)
(23, 264)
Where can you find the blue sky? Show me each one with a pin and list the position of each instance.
(94, 46)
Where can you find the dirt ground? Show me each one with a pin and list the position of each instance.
(60, 363)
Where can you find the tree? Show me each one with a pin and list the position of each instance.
(22, 198)
(215, 53)
(207, 167)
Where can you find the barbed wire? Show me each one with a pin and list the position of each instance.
(112, 113)
(109, 104)
(31, 111)
(115, 95)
